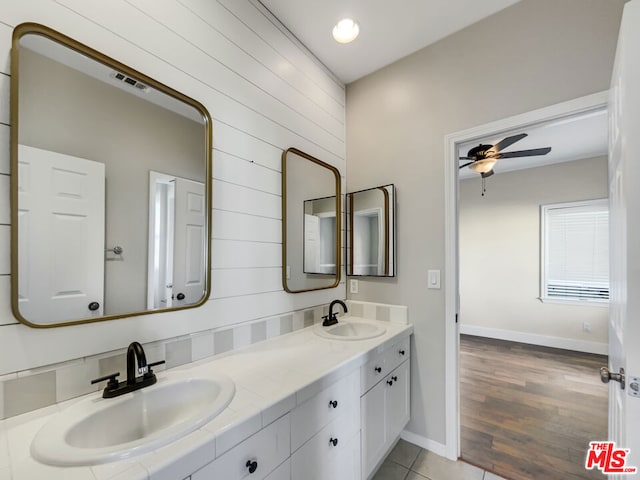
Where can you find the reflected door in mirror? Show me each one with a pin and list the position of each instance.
(61, 232)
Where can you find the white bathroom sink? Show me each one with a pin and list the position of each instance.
(98, 430)
(350, 330)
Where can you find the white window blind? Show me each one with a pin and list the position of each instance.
(575, 251)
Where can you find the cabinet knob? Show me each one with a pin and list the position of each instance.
(389, 382)
(93, 306)
(401, 352)
(181, 296)
(252, 466)
(378, 369)
(333, 403)
(394, 378)
(333, 441)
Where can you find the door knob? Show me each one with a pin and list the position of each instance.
(180, 296)
(606, 375)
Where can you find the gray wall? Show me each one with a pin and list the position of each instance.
(499, 238)
(533, 54)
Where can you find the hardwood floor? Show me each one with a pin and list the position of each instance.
(529, 412)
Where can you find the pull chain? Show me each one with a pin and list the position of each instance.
(484, 189)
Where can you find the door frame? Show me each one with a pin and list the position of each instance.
(576, 106)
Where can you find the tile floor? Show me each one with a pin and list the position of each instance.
(410, 462)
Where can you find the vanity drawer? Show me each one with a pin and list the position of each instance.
(380, 366)
(398, 353)
(283, 472)
(333, 453)
(315, 413)
(268, 448)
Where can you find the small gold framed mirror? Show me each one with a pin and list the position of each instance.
(311, 223)
(371, 231)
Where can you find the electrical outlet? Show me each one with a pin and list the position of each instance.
(353, 286)
(586, 327)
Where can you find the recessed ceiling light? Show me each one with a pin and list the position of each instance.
(346, 30)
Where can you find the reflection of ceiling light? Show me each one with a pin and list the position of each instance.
(346, 30)
(483, 166)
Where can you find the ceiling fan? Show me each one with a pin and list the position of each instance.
(484, 157)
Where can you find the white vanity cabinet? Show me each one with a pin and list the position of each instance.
(384, 405)
(325, 433)
(256, 457)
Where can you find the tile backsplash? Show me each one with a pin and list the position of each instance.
(28, 390)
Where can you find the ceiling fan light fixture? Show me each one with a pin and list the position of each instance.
(483, 166)
(346, 30)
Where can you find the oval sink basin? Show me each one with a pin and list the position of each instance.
(350, 330)
(98, 430)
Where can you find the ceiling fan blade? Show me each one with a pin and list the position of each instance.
(504, 143)
(524, 153)
(465, 165)
(465, 158)
(487, 174)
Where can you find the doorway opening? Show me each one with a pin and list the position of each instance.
(558, 114)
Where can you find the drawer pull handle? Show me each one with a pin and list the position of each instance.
(252, 466)
(333, 441)
(378, 369)
(401, 352)
(389, 382)
(333, 403)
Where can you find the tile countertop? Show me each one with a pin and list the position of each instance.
(271, 378)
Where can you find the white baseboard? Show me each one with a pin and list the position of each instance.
(536, 339)
(426, 443)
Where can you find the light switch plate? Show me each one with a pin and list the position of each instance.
(353, 286)
(433, 279)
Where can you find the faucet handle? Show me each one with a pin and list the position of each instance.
(149, 371)
(112, 379)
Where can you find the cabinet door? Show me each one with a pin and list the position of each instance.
(373, 427)
(397, 404)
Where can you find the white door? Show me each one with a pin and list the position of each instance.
(190, 242)
(624, 203)
(311, 244)
(61, 236)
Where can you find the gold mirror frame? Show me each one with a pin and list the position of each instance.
(338, 238)
(38, 29)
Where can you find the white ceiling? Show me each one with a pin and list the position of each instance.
(388, 30)
(571, 138)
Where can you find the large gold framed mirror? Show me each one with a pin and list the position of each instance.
(311, 223)
(371, 231)
(110, 187)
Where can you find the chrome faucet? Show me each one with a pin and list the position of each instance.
(135, 354)
(331, 318)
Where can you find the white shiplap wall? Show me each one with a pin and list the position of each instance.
(265, 93)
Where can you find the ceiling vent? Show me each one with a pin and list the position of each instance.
(129, 81)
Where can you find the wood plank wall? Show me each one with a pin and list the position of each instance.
(265, 93)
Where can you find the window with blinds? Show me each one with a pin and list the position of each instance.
(575, 251)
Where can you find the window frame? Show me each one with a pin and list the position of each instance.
(544, 298)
